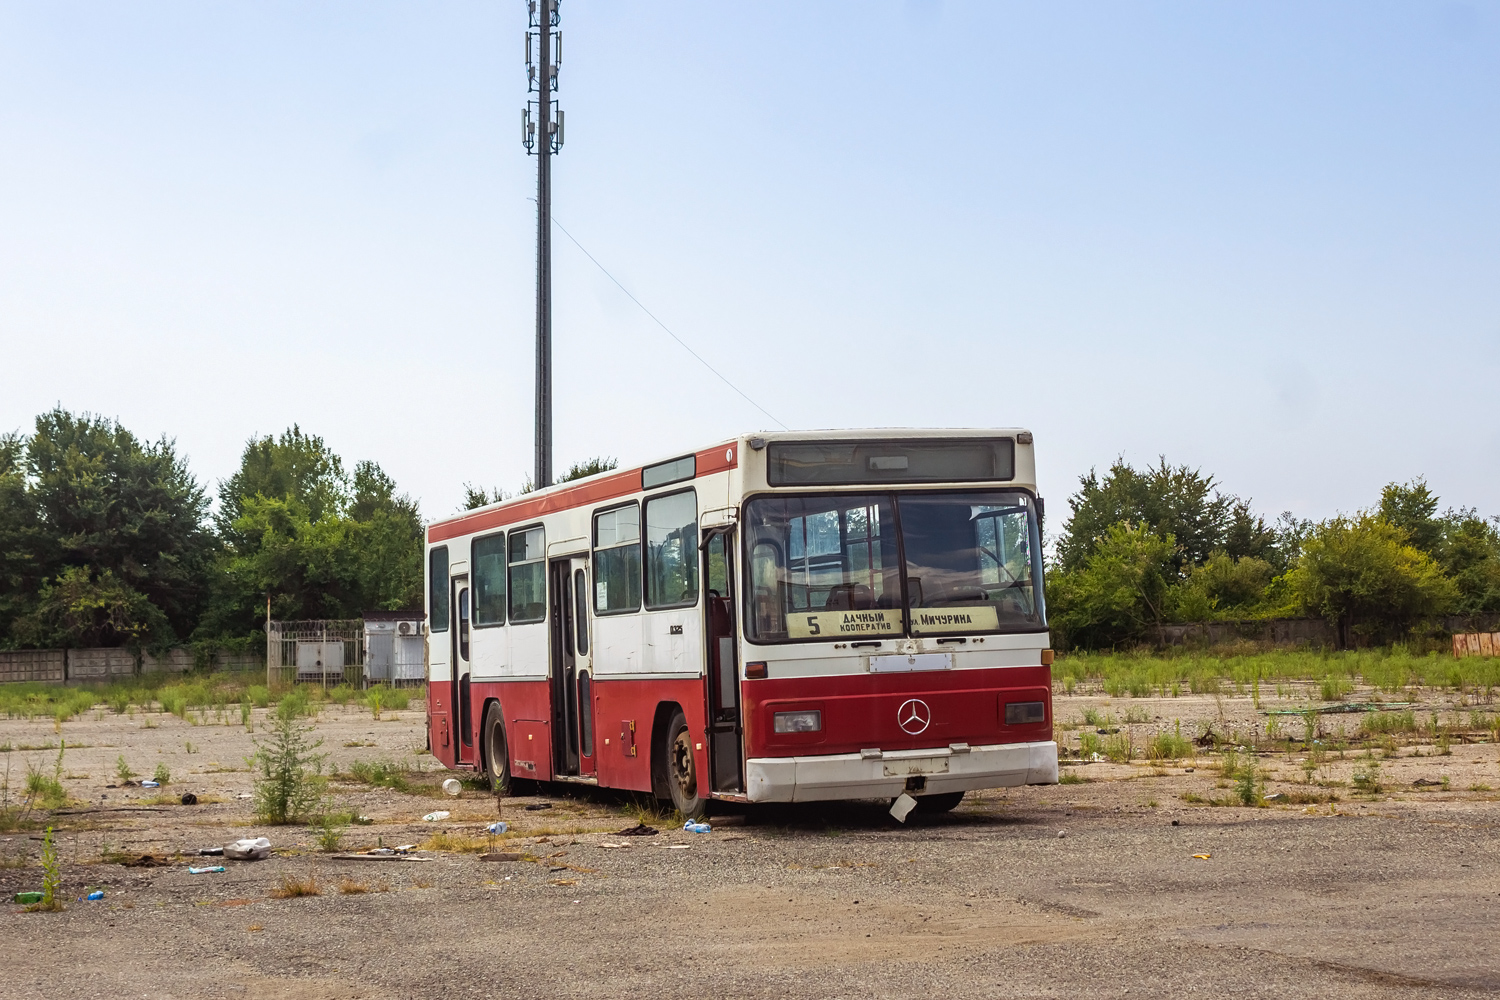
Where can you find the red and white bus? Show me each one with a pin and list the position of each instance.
(777, 618)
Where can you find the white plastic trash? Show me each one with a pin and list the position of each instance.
(434, 817)
(248, 850)
(452, 786)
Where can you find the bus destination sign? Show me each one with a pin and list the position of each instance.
(843, 624)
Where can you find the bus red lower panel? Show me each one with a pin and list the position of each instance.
(625, 716)
(897, 711)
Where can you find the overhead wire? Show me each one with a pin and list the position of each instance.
(682, 343)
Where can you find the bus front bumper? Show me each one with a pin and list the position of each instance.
(867, 776)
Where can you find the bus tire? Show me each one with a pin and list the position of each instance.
(939, 803)
(496, 752)
(682, 769)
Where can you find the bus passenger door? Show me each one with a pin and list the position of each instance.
(462, 709)
(724, 729)
(563, 681)
(583, 682)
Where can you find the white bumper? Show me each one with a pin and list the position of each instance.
(856, 776)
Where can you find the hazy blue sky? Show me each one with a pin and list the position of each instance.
(1259, 238)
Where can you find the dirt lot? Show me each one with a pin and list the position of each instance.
(1084, 889)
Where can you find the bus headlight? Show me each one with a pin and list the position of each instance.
(799, 722)
(1021, 713)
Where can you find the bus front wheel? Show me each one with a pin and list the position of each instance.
(682, 769)
(496, 754)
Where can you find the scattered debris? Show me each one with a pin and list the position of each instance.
(1202, 857)
(94, 896)
(538, 806)
(453, 787)
(248, 850)
(148, 783)
(1275, 797)
(499, 826)
(1176, 823)
(189, 799)
(503, 856)
(28, 898)
(205, 871)
(639, 830)
(675, 847)
(438, 816)
(210, 852)
(372, 856)
(1061, 834)
(614, 847)
(1424, 783)
(691, 827)
(904, 804)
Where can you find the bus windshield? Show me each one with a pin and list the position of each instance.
(839, 566)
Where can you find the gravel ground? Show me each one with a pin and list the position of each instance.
(1078, 890)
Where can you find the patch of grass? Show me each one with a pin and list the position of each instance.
(1071, 778)
(456, 842)
(330, 835)
(1367, 776)
(1120, 748)
(1091, 717)
(122, 770)
(349, 887)
(1249, 787)
(382, 774)
(1335, 688)
(292, 886)
(1169, 746)
(1134, 715)
(1088, 745)
(1377, 723)
(162, 775)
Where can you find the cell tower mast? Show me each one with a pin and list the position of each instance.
(542, 135)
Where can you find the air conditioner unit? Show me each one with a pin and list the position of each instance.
(404, 628)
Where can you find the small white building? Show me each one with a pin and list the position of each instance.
(395, 647)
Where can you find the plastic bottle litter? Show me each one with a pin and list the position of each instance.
(205, 871)
(499, 827)
(434, 817)
(453, 786)
(28, 897)
(248, 850)
(95, 895)
(148, 783)
(692, 827)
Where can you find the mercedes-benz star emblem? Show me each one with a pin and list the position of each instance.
(913, 716)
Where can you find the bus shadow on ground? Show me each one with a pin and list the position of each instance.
(857, 815)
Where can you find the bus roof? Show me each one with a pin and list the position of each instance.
(605, 486)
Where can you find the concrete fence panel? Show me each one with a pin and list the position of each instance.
(49, 666)
(89, 666)
(177, 660)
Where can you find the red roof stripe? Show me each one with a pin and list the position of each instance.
(708, 462)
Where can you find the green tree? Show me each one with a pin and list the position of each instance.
(1119, 592)
(1470, 555)
(1171, 500)
(21, 543)
(84, 609)
(128, 518)
(1412, 507)
(1365, 577)
(588, 467)
(320, 543)
(1222, 587)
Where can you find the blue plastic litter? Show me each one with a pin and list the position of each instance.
(692, 827)
(205, 871)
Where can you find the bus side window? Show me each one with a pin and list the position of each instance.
(765, 578)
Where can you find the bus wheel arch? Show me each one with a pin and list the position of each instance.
(674, 762)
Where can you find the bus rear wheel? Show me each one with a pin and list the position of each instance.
(496, 753)
(940, 803)
(682, 769)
